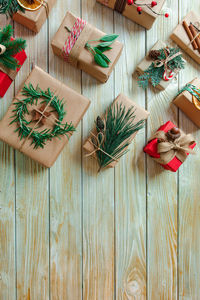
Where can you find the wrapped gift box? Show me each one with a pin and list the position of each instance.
(151, 149)
(75, 106)
(146, 19)
(6, 78)
(146, 62)
(35, 19)
(180, 37)
(85, 60)
(140, 114)
(185, 102)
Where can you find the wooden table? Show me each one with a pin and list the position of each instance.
(131, 232)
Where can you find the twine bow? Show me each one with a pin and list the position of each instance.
(97, 142)
(2, 49)
(163, 62)
(169, 149)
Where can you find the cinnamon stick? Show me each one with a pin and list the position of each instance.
(194, 33)
(189, 33)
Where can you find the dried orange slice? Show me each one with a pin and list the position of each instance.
(34, 6)
(196, 101)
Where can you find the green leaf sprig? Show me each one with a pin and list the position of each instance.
(12, 48)
(98, 51)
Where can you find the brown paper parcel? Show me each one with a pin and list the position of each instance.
(146, 62)
(184, 102)
(140, 113)
(75, 106)
(180, 37)
(86, 59)
(146, 19)
(35, 19)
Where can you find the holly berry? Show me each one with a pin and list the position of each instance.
(130, 2)
(153, 3)
(139, 9)
(166, 15)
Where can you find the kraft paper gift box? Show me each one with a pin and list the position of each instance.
(75, 106)
(146, 62)
(180, 37)
(185, 101)
(152, 149)
(80, 57)
(139, 112)
(146, 19)
(35, 19)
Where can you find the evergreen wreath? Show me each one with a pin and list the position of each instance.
(155, 74)
(10, 7)
(113, 133)
(32, 95)
(12, 47)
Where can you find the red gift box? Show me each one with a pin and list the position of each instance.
(5, 80)
(151, 149)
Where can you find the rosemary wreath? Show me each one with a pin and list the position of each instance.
(114, 133)
(32, 95)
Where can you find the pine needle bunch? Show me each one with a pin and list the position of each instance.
(10, 7)
(114, 133)
(39, 138)
(12, 48)
(155, 74)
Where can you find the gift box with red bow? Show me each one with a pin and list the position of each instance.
(12, 57)
(170, 146)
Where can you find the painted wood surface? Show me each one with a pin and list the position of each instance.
(129, 233)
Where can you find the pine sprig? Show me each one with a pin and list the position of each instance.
(9, 7)
(12, 48)
(155, 74)
(105, 42)
(32, 95)
(114, 133)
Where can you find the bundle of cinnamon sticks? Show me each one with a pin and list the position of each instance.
(193, 35)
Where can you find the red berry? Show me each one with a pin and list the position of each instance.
(139, 9)
(153, 3)
(130, 2)
(166, 15)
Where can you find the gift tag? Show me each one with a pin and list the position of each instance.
(30, 4)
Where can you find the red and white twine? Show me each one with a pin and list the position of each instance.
(72, 38)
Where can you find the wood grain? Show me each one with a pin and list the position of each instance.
(130, 177)
(128, 233)
(32, 206)
(66, 188)
(189, 194)
(162, 187)
(7, 208)
(98, 188)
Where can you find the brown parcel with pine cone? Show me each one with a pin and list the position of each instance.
(35, 19)
(146, 19)
(146, 62)
(75, 106)
(140, 114)
(86, 59)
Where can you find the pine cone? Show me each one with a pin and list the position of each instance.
(100, 123)
(154, 54)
